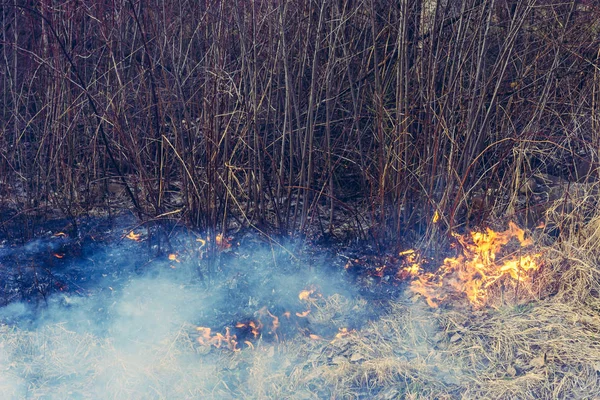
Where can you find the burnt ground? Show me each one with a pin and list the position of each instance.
(92, 258)
(85, 310)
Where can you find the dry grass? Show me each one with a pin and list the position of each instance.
(546, 349)
(544, 345)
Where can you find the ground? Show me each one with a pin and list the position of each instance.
(109, 316)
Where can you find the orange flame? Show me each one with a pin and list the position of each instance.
(411, 268)
(223, 243)
(303, 314)
(218, 339)
(173, 257)
(134, 236)
(255, 328)
(342, 333)
(476, 270)
(304, 295)
(59, 255)
(309, 295)
(204, 334)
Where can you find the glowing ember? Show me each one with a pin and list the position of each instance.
(134, 236)
(413, 269)
(305, 294)
(309, 295)
(173, 257)
(223, 243)
(58, 255)
(343, 333)
(255, 328)
(303, 314)
(476, 271)
(61, 234)
(204, 332)
(265, 326)
(412, 266)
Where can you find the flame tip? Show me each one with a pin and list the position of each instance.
(477, 269)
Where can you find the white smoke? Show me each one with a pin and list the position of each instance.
(130, 335)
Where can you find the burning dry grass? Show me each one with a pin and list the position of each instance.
(479, 271)
(548, 347)
(544, 350)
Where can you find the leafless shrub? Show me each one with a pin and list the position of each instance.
(289, 115)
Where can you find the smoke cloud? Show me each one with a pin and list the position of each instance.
(107, 322)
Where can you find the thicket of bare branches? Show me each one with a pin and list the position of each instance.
(361, 115)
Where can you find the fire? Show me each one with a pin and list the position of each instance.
(217, 340)
(134, 236)
(173, 257)
(412, 266)
(304, 295)
(59, 255)
(342, 333)
(309, 295)
(303, 314)
(266, 326)
(477, 269)
(223, 243)
(255, 328)
(61, 234)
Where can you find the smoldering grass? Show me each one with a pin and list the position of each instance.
(57, 361)
(543, 344)
(544, 348)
